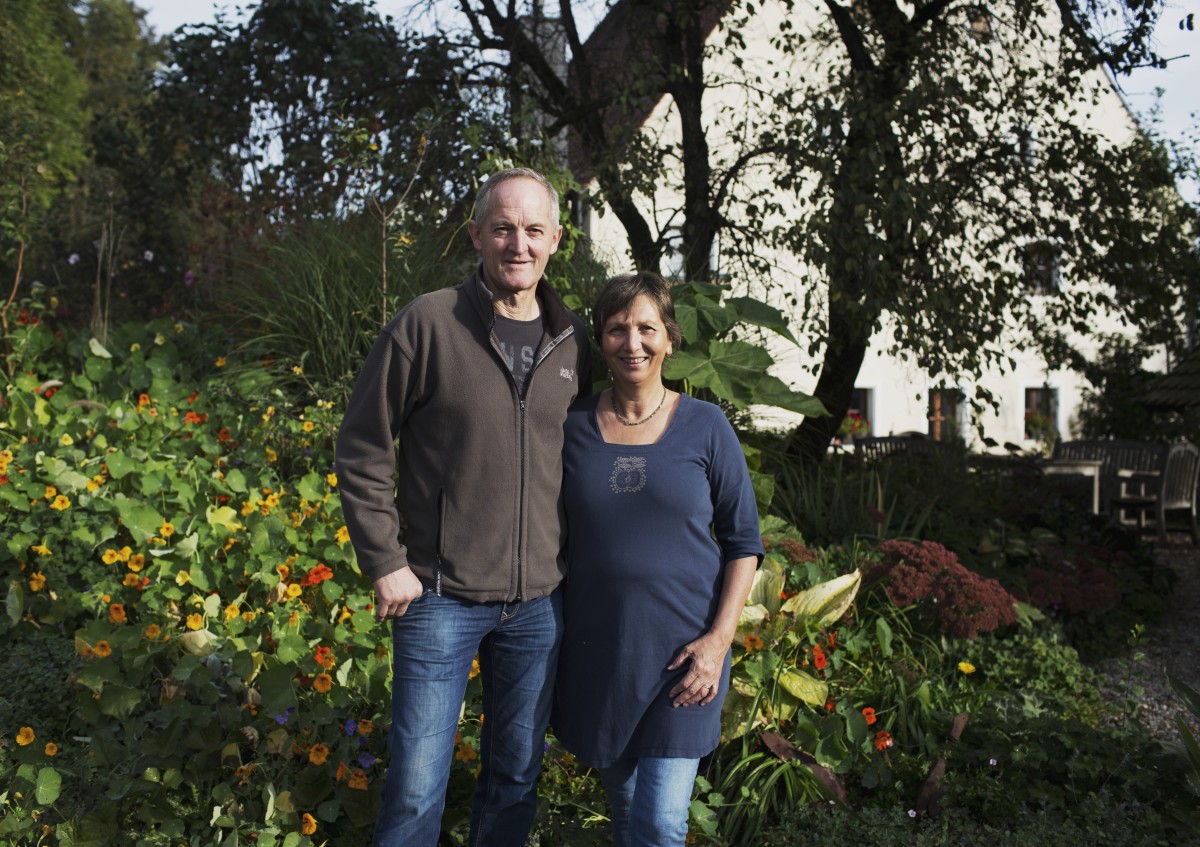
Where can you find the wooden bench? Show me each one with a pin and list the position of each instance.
(1173, 490)
(1121, 463)
(874, 447)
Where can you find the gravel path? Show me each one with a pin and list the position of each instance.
(1174, 644)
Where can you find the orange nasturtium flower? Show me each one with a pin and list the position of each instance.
(869, 714)
(110, 556)
(195, 621)
(323, 682)
(51, 492)
(819, 660)
(167, 529)
(365, 726)
(358, 780)
(318, 753)
(752, 642)
(308, 824)
(37, 581)
(324, 657)
(131, 580)
(342, 772)
(883, 740)
(116, 613)
(51, 748)
(220, 362)
(137, 562)
(152, 632)
(102, 649)
(61, 503)
(25, 736)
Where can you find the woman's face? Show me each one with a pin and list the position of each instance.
(635, 343)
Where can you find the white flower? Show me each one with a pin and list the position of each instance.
(148, 255)
(912, 813)
(993, 762)
(73, 259)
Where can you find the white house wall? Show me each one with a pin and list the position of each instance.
(899, 389)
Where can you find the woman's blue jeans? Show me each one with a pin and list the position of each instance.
(433, 644)
(650, 798)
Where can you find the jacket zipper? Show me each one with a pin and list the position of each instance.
(441, 539)
(546, 351)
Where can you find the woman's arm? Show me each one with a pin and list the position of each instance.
(707, 653)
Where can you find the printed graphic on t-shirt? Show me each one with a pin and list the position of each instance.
(519, 342)
(629, 474)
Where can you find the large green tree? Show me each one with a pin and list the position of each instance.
(915, 158)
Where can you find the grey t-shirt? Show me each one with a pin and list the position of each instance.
(519, 342)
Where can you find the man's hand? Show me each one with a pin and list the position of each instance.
(394, 592)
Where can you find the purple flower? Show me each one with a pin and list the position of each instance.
(189, 277)
(73, 259)
(351, 727)
(281, 719)
(366, 760)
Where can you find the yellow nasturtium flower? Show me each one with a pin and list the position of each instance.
(25, 736)
(195, 621)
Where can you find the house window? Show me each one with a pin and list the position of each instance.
(945, 414)
(1041, 412)
(979, 24)
(858, 417)
(1040, 264)
(673, 267)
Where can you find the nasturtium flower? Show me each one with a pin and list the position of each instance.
(869, 714)
(308, 426)
(66, 440)
(272, 456)
(318, 754)
(752, 642)
(248, 616)
(297, 370)
(466, 753)
(51, 492)
(37, 581)
(819, 660)
(331, 480)
(153, 631)
(159, 339)
(323, 656)
(358, 781)
(116, 613)
(232, 611)
(365, 726)
(308, 824)
(124, 554)
(60, 503)
(25, 736)
(102, 649)
(883, 740)
(195, 621)
(183, 578)
(474, 672)
(136, 562)
(131, 580)
(966, 667)
(323, 682)
(294, 590)
(110, 556)
(167, 529)
(40, 549)
(342, 535)
(134, 347)
(143, 400)
(51, 748)
(342, 772)
(6, 456)
(220, 362)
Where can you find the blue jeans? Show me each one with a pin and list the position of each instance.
(433, 644)
(650, 798)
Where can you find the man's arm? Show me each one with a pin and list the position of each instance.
(366, 462)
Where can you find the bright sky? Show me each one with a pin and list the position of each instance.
(1178, 106)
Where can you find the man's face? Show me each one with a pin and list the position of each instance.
(517, 238)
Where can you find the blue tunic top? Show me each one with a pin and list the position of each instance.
(645, 576)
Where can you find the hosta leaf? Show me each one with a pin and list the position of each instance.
(804, 687)
(825, 603)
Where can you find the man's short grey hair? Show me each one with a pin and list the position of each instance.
(484, 197)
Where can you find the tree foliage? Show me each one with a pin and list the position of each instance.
(910, 156)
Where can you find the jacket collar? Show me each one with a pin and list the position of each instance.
(558, 319)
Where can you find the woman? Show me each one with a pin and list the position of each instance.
(663, 546)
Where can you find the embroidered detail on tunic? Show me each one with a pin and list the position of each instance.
(629, 474)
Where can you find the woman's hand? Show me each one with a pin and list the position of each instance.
(701, 683)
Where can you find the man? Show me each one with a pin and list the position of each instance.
(461, 528)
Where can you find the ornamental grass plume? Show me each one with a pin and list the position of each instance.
(927, 575)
